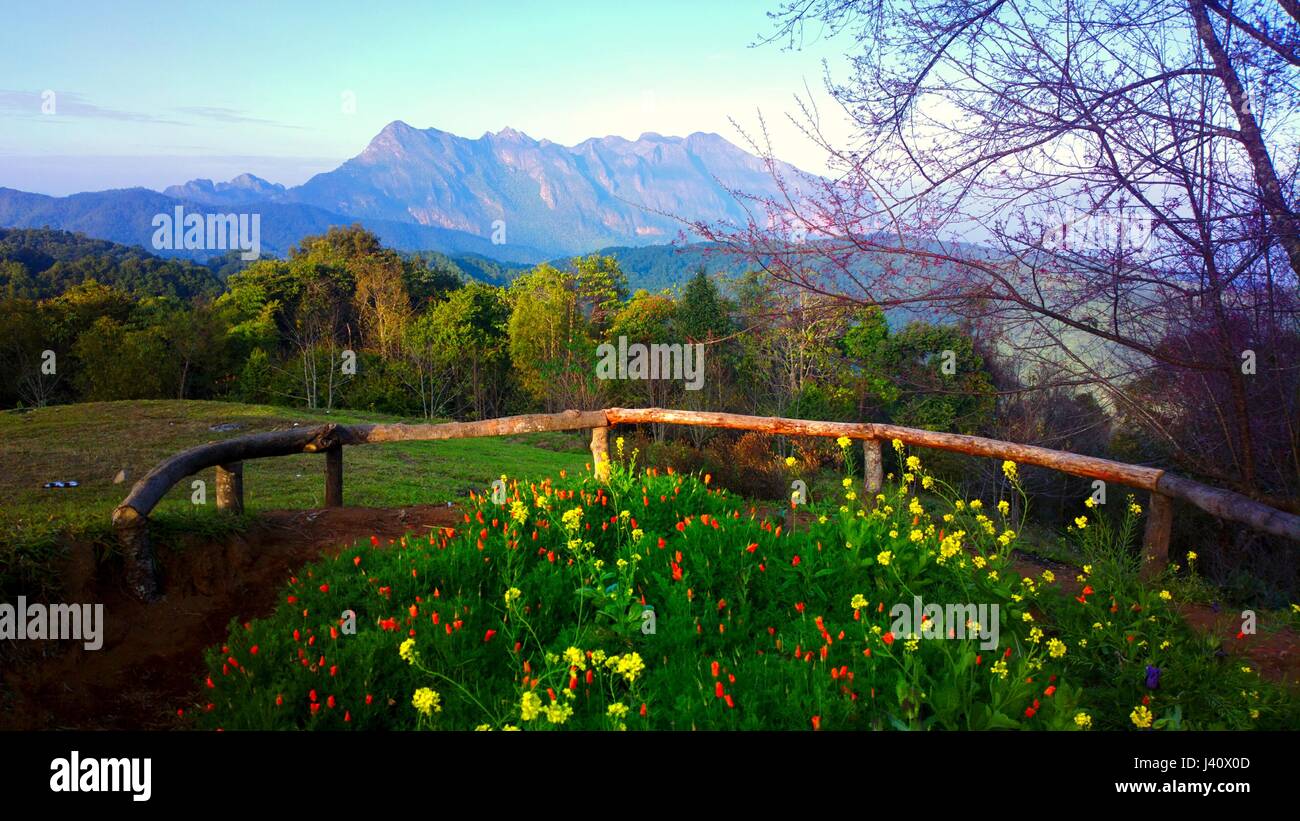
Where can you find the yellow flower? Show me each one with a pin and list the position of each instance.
(979, 562)
(1245, 669)
(846, 482)
(1055, 648)
(976, 504)
(1026, 616)
(427, 701)
(916, 535)
(483, 728)
(629, 666)
(518, 511)
(913, 463)
(530, 706)
(789, 461)
(1004, 507)
(572, 519)
(637, 534)
(1141, 717)
(558, 712)
(1083, 720)
(575, 658)
(1191, 556)
(512, 594)
(859, 602)
(1009, 469)
(1090, 502)
(885, 557)
(617, 710)
(1081, 522)
(618, 444)
(1135, 508)
(1087, 569)
(897, 445)
(1049, 576)
(407, 651)
(893, 534)
(1166, 595)
(850, 495)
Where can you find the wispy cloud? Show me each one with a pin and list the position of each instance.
(231, 115)
(71, 104)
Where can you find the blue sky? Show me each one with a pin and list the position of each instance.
(153, 94)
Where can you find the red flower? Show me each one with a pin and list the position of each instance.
(369, 698)
(888, 638)
(731, 704)
(1029, 712)
(752, 547)
(717, 689)
(329, 702)
(662, 543)
(817, 722)
(1050, 691)
(795, 561)
(347, 716)
(488, 635)
(374, 541)
(799, 606)
(356, 560)
(315, 708)
(312, 695)
(681, 527)
(252, 651)
(643, 709)
(714, 668)
(279, 700)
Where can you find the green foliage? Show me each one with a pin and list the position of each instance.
(657, 602)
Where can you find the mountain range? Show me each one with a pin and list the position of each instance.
(503, 195)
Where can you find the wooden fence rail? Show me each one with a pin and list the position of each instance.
(130, 519)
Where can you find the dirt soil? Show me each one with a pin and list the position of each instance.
(152, 659)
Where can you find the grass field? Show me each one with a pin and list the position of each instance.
(91, 442)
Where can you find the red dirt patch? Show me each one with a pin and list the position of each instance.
(152, 658)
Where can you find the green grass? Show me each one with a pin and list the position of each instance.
(91, 442)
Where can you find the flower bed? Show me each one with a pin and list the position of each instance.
(656, 601)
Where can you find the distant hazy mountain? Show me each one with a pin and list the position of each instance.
(126, 216)
(244, 188)
(564, 199)
(431, 190)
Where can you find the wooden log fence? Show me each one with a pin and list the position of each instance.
(130, 519)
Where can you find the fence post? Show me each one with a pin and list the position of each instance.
(334, 476)
(600, 453)
(230, 487)
(1155, 539)
(873, 466)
